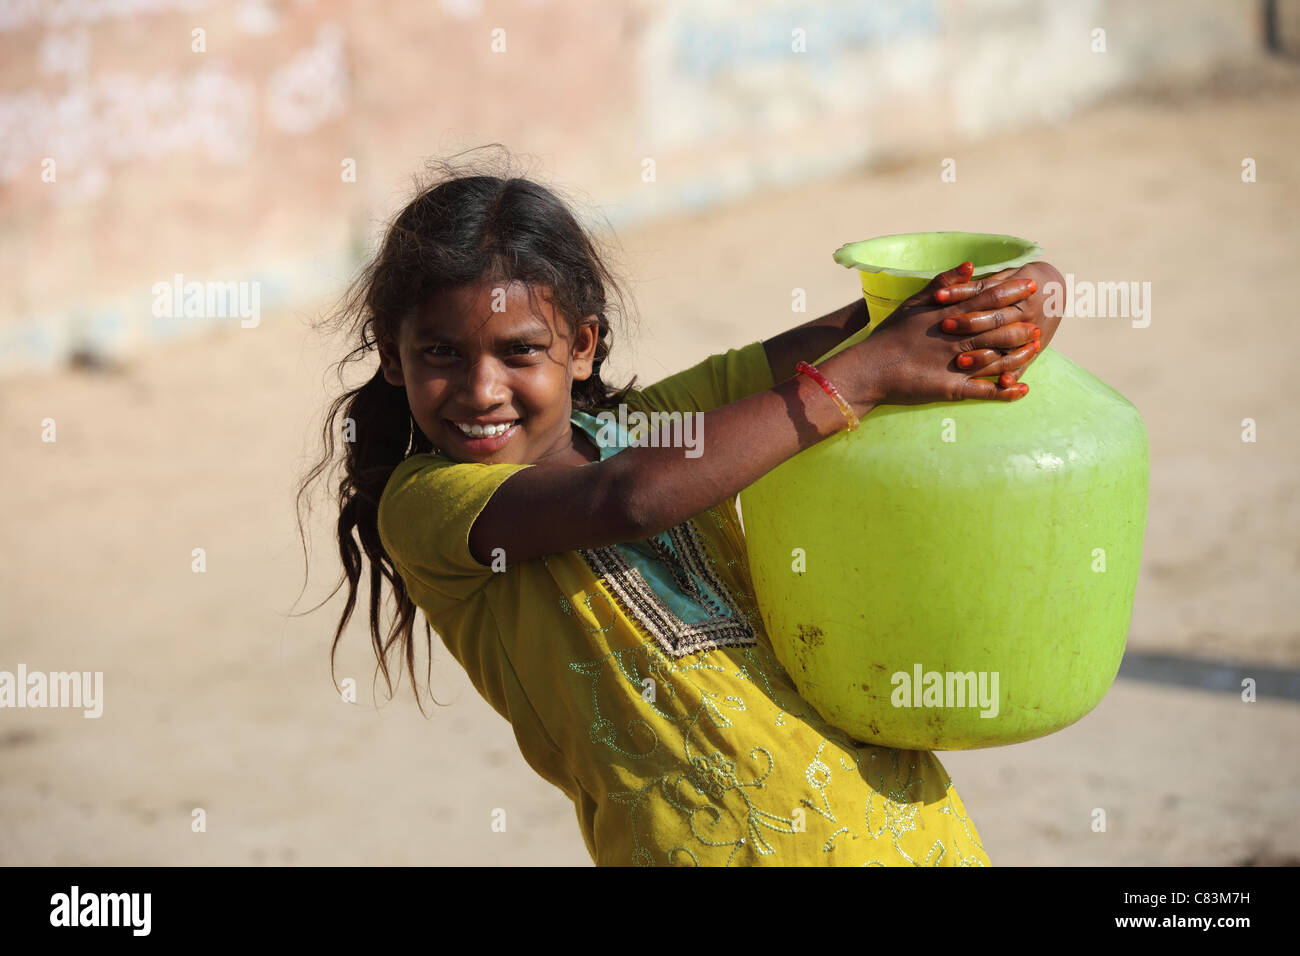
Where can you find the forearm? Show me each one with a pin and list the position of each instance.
(740, 443)
(809, 341)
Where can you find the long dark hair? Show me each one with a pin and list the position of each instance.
(470, 221)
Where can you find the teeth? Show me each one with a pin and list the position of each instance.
(481, 431)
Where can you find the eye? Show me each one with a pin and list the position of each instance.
(517, 350)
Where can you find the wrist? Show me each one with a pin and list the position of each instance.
(851, 374)
(832, 391)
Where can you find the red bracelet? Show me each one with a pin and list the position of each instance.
(830, 390)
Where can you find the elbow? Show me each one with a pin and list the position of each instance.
(1050, 281)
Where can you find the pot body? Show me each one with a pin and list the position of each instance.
(959, 574)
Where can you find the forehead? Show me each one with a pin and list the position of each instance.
(492, 310)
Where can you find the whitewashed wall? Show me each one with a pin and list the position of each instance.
(129, 156)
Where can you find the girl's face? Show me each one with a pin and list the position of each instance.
(478, 354)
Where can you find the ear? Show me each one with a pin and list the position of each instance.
(390, 363)
(584, 347)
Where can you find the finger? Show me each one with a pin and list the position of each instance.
(985, 363)
(964, 290)
(972, 323)
(1011, 376)
(957, 275)
(986, 293)
(990, 391)
(976, 359)
(1005, 337)
(954, 276)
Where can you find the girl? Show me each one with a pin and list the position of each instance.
(595, 589)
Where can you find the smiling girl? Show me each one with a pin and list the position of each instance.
(596, 590)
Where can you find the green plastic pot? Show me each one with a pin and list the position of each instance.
(940, 546)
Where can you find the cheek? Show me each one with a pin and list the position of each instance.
(429, 389)
(538, 386)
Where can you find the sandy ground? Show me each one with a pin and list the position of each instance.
(216, 698)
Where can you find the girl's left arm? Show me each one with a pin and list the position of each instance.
(809, 341)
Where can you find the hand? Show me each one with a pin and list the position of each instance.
(908, 360)
(973, 317)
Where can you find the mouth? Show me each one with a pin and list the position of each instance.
(481, 439)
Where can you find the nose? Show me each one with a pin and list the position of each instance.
(484, 384)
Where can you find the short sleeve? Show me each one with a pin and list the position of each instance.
(718, 380)
(425, 515)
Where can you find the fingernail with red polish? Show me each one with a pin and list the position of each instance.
(965, 361)
(1037, 332)
(949, 324)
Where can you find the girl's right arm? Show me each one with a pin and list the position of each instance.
(641, 491)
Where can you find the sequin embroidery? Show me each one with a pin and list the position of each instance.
(645, 606)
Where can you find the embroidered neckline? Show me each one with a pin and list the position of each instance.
(681, 552)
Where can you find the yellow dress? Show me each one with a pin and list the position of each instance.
(639, 680)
